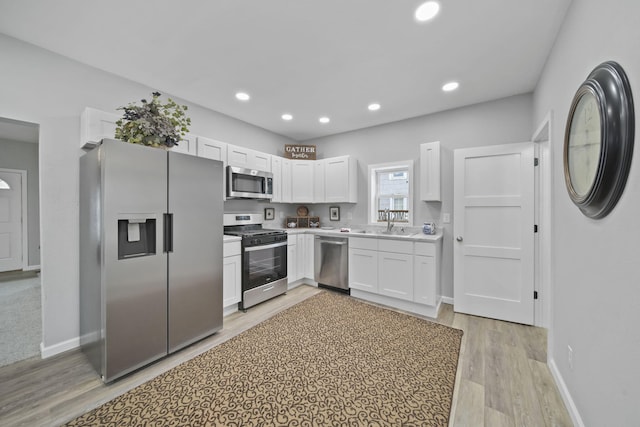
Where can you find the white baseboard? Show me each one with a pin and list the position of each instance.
(566, 396)
(46, 352)
(447, 300)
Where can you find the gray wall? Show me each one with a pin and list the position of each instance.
(45, 88)
(596, 297)
(24, 155)
(498, 122)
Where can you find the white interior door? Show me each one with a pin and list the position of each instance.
(494, 232)
(10, 221)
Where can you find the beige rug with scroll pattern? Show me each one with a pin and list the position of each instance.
(329, 360)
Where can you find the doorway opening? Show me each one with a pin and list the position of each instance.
(20, 280)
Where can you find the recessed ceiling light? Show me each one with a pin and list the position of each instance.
(324, 120)
(374, 107)
(427, 11)
(287, 117)
(242, 96)
(450, 86)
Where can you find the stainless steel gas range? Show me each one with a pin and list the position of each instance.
(264, 258)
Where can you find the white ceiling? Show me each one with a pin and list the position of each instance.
(306, 57)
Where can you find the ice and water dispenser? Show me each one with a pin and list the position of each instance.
(136, 236)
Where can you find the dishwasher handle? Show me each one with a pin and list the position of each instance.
(331, 242)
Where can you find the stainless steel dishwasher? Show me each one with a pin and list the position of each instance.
(331, 263)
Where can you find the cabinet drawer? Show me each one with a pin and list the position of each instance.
(426, 249)
(397, 246)
(363, 243)
(231, 248)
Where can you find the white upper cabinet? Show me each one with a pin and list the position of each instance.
(341, 179)
(302, 181)
(332, 180)
(186, 145)
(276, 170)
(430, 172)
(212, 149)
(247, 158)
(286, 181)
(95, 125)
(319, 182)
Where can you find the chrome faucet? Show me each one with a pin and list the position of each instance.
(389, 223)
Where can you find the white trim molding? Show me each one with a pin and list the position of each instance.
(61, 347)
(566, 396)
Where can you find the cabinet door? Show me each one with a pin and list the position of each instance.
(363, 270)
(395, 275)
(424, 280)
(341, 180)
(302, 181)
(211, 149)
(286, 181)
(308, 259)
(187, 145)
(231, 279)
(430, 171)
(239, 156)
(319, 182)
(276, 170)
(261, 161)
(95, 125)
(292, 263)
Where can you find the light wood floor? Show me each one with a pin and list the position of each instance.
(502, 377)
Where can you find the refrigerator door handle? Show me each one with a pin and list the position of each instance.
(168, 232)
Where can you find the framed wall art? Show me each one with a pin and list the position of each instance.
(334, 213)
(269, 214)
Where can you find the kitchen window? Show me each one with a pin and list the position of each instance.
(391, 192)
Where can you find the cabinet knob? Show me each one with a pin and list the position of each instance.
(459, 238)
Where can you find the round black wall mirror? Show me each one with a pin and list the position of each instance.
(598, 141)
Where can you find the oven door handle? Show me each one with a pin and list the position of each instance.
(261, 247)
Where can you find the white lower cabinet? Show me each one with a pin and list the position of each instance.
(231, 274)
(300, 256)
(363, 264)
(305, 256)
(426, 279)
(292, 258)
(399, 273)
(363, 269)
(395, 275)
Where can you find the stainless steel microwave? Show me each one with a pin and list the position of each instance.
(248, 183)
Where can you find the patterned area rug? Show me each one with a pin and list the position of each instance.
(329, 360)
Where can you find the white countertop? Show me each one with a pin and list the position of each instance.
(417, 236)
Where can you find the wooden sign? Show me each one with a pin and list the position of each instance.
(300, 152)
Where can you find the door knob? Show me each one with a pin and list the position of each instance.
(459, 238)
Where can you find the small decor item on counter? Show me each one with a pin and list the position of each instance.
(302, 211)
(153, 123)
(302, 221)
(429, 228)
(269, 214)
(334, 213)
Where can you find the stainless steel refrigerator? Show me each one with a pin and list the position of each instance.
(150, 254)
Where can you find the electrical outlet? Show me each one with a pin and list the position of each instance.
(446, 218)
(570, 357)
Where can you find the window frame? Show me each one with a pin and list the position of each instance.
(374, 169)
